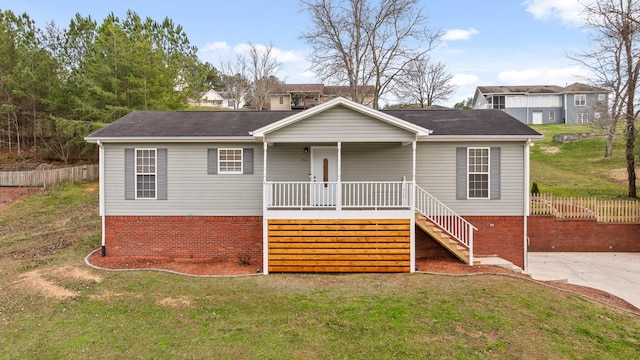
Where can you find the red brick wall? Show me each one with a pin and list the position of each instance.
(427, 248)
(499, 235)
(215, 237)
(549, 234)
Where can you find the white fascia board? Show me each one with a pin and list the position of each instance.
(466, 138)
(405, 125)
(184, 139)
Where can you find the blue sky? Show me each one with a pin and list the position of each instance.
(490, 42)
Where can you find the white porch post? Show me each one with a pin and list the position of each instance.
(413, 210)
(265, 221)
(339, 187)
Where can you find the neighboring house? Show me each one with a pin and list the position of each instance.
(304, 96)
(220, 99)
(547, 104)
(332, 188)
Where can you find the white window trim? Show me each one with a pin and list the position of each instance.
(136, 173)
(582, 118)
(488, 173)
(581, 96)
(222, 172)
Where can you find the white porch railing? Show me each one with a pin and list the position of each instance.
(343, 195)
(446, 219)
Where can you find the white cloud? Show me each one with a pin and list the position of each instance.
(543, 76)
(283, 56)
(568, 11)
(216, 46)
(463, 80)
(459, 34)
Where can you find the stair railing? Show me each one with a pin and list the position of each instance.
(446, 219)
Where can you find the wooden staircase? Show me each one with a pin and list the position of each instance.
(445, 240)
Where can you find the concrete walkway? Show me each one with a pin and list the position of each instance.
(615, 273)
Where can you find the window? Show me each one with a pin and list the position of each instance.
(601, 97)
(582, 118)
(145, 173)
(580, 100)
(281, 100)
(478, 173)
(551, 116)
(231, 103)
(230, 161)
(498, 102)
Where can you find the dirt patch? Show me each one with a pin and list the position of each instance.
(9, 195)
(35, 280)
(445, 266)
(620, 175)
(181, 301)
(550, 149)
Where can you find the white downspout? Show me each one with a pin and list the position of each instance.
(265, 221)
(527, 145)
(101, 186)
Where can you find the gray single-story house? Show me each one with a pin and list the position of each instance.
(337, 187)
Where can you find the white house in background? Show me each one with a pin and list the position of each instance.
(219, 99)
(544, 104)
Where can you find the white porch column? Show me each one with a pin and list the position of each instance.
(412, 197)
(339, 187)
(265, 221)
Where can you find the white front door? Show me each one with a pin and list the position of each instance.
(536, 117)
(324, 175)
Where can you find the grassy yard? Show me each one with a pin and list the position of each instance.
(578, 168)
(53, 306)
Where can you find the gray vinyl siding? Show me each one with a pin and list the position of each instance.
(190, 190)
(376, 162)
(360, 162)
(340, 124)
(436, 173)
(525, 115)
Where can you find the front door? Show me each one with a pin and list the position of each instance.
(324, 175)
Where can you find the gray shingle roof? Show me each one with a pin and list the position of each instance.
(240, 123)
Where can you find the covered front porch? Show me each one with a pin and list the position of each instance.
(340, 193)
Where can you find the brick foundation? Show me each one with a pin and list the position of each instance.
(549, 234)
(499, 235)
(214, 237)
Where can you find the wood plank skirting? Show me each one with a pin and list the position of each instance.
(340, 245)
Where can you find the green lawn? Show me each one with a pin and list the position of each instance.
(142, 315)
(578, 168)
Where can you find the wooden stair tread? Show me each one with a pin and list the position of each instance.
(443, 239)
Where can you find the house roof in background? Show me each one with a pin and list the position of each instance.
(539, 89)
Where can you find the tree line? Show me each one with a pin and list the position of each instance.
(57, 85)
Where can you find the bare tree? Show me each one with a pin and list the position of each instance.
(615, 61)
(234, 79)
(424, 82)
(263, 68)
(365, 42)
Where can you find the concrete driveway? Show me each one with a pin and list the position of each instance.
(615, 273)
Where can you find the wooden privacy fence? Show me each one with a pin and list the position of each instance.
(49, 177)
(612, 211)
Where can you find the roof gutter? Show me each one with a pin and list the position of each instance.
(162, 139)
(102, 195)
